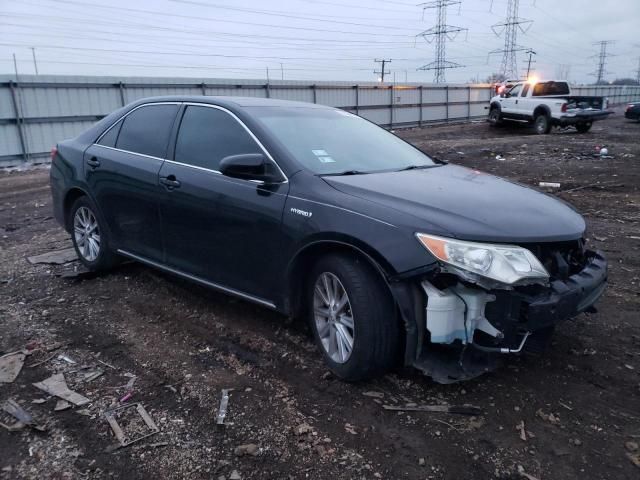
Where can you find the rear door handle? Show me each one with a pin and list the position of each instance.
(170, 182)
(93, 162)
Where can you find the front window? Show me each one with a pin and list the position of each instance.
(327, 141)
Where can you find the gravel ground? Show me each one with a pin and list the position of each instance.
(573, 413)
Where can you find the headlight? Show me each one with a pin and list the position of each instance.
(504, 263)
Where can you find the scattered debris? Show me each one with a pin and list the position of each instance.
(123, 438)
(373, 394)
(126, 397)
(57, 386)
(66, 358)
(248, 449)
(55, 257)
(631, 446)
(10, 366)
(635, 458)
(303, 428)
(23, 417)
(350, 429)
(61, 405)
(90, 376)
(106, 364)
(224, 402)
(500, 158)
(462, 409)
(549, 184)
(524, 474)
(523, 432)
(235, 475)
(551, 418)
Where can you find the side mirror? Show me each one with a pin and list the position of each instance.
(248, 166)
(503, 95)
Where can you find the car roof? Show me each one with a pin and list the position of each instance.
(231, 101)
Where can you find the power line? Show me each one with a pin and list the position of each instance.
(602, 60)
(382, 71)
(441, 32)
(508, 29)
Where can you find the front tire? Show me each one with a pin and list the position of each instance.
(495, 118)
(353, 317)
(90, 238)
(542, 124)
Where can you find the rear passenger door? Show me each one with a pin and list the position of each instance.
(224, 230)
(121, 170)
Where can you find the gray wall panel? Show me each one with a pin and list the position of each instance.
(57, 107)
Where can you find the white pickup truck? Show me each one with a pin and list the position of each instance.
(545, 105)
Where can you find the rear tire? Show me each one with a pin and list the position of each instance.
(583, 127)
(90, 238)
(346, 295)
(542, 124)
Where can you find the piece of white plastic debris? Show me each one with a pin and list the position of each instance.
(549, 184)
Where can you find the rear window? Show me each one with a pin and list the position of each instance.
(147, 129)
(550, 88)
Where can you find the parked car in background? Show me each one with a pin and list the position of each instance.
(320, 214)
(545, 105)
(633, 111)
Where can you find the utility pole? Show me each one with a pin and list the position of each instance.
(281, 71)
(531, 53)
(267, 74)
(638, 72)
(508, 28)
(562, 72)
(35, 63)
(602, 60)
(441, 32)
(15, 66)
(382, 71)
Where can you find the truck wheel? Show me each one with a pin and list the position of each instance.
(494, 117)
(353, 317)
(90, 238)
(541, 124)
(583, 127)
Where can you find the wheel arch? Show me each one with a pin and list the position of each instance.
(541, 110)
(402, 292)
(70, 197)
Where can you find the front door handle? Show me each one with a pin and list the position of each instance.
(93, 162)
(170, 182)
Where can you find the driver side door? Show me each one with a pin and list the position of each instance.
(509, 103)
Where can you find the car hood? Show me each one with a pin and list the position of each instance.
(467, 204)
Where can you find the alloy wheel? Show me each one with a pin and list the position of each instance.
(86, 233)
(333, 317)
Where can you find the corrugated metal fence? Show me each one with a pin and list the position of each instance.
(37, 111)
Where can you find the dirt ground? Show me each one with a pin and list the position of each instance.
(577, 407)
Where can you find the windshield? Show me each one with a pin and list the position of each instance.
(334, 142)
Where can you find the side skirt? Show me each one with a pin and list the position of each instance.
(201, 281)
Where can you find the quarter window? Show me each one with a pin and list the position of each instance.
(147, 129)
(207, 135)
(109, 138)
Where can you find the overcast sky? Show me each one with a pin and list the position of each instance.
(306, 39)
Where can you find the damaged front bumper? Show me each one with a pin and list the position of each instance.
(469, 327)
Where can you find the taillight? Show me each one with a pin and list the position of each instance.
(54, 152)
(564, 107)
